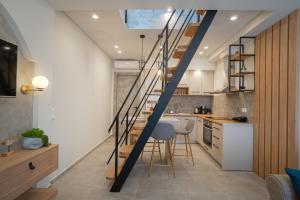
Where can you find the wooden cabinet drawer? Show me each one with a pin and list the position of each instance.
(217, 152)
(20, 176)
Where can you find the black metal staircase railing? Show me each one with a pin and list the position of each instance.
(169, 40)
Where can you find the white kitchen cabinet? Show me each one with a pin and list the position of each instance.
(195, 86)
(185, 80)
(199, 130)
(207, 81)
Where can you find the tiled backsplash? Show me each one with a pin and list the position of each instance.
(186, 104)
(231, 105)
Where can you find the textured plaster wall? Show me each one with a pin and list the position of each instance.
(186, 104)
(231, 105)
(16, 113)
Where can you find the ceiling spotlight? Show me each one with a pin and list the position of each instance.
(116, 46)
(201, 52)
(119, 52)
(233, 18)
(206, 47)
(169, 9)
(95, 16)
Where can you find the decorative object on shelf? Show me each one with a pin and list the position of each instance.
(8, 143)
(39, 83)
(34, 139)
(243, 68)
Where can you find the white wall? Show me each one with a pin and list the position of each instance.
(75, 111)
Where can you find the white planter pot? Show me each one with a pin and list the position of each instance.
(32, 143)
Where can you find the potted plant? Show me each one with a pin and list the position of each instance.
(34, 139)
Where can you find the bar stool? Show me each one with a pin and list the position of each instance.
(163, 131)
(186, 133)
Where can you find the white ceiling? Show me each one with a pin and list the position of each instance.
(109, 30)
(204, 4)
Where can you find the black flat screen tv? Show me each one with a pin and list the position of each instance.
(8, 69)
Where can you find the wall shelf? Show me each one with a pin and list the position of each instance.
(237, 71)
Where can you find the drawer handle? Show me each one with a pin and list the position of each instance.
(31, 166)
(215, 146)
(216, 137)
(216, 128)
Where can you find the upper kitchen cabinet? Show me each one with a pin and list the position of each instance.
(201, 82)
(185, 80)
(207, 81)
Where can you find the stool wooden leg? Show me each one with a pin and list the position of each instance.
(171, 158)
(159, 151)
(188, 137)
(152, 154)
(186, 146)
(174, 145)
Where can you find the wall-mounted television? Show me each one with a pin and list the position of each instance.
(8, 69)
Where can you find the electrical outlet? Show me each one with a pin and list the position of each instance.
(244, 110)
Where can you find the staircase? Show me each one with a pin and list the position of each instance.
(167, 46)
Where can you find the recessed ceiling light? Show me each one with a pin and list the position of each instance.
(205, 47)
(119, 52)
(169, 9)
(95, 16)
(201, 52)
(233, 18)
(116, 46)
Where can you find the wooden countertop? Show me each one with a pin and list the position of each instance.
(217, 119)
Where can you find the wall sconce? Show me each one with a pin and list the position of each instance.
(39, 83)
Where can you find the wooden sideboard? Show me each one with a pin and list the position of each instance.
(24, 168)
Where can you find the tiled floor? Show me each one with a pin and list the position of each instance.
(205, 180)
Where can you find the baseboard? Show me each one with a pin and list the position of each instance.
(79, 159)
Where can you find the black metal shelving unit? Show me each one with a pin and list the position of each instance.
(238, 56)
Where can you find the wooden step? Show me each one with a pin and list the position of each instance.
(152, 101)
(201, 12)
(110, 173)
(192, 29)
(147, 112)
(158, 90)
(135, 133)
(125, 151)
(172, 70)
(183, 47)
(178, 54)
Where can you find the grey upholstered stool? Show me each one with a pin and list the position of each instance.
(186, 133)
(163, 131)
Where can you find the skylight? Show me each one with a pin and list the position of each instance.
(153, 18)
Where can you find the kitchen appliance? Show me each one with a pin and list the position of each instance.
(196, 110)
(207, 132)
(240, 119)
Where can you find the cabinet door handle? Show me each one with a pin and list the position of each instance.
(215, 146)
(31, 166)
(205, 147)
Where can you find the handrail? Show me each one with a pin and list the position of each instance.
(137, 78)
(142, 102)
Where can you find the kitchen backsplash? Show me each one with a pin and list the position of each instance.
(186, 104)
(231, 105)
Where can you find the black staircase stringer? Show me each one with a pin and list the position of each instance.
(163, 101)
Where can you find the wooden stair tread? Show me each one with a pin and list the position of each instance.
(136, 133)
(158, 90)
(125, 150)
(192, 29)
(184, 46)
(201, 12)
(110, 173)
(172, 70)
(152, 101)
(178, 53)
